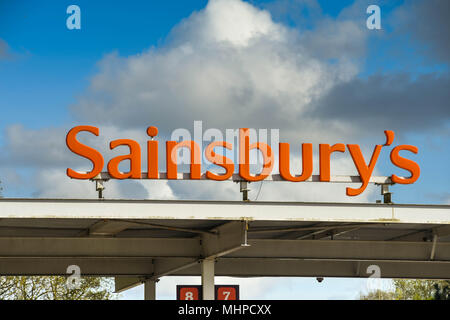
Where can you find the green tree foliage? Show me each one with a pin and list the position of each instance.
(378, 295)
(54, 288)
(412, 290)
(442, 290)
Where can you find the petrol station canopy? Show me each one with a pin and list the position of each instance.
(148, 239)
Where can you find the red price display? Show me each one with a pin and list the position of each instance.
(194, 292)
(189, 292)
(227, 292)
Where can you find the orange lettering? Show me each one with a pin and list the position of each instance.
(134, 157)
(219, 160)
(325, 152)
(87, 152)
(365, 171)
(244, 157)
(307, 160)
(152, 154)
(406, 164)
(171, 158)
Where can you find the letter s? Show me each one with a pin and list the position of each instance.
(82, 150)
(219, 160)
(406, 164)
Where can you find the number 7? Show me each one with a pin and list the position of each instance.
(226, 294)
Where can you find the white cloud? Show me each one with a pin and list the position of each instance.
(53, 183)
(34, 147)
(229, 22)
(231, 66)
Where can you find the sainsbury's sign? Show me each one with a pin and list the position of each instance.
(364, 168)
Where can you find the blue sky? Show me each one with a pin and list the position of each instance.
(48, 55)
(47, 73)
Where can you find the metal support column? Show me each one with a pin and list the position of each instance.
(244, 189)
(149, 289)
(208, 279)
(387, 196)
